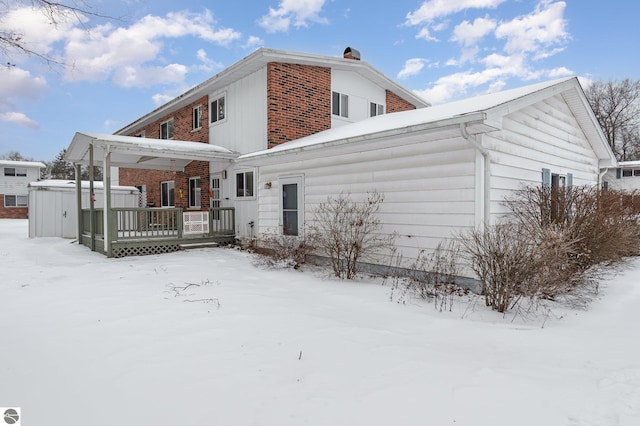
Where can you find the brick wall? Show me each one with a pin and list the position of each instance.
(182, 130)
(298, 101)
(396, 104)
(12, 212)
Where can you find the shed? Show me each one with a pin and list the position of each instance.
(442, 169)
(53, 205)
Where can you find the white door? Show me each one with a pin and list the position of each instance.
(292, 206)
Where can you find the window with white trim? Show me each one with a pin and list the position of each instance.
(375, 109)
(166, 129)
(340, 104)
(15, 201)
(218, 110)
(15, 171)
(167, 194)
(195, 192)
(197, 117)
(244, 184)
(142, 134)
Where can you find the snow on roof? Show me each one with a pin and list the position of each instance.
(9, 163)
(71, 184)
(625, 164)
(406, 119)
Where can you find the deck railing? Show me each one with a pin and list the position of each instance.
(129, 223)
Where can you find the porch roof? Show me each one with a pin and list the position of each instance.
(143, 153)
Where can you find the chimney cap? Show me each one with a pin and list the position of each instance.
(351, 53)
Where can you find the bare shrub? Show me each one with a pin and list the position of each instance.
(602, 226)
(348, 232)
(432, 276)
(282, 251)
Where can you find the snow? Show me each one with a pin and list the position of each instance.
(71, 185)
(400, 122)
(94, 341)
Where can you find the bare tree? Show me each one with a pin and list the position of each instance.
(616, 105)
(14, 156)
(55, 12)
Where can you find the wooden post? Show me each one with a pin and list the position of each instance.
(109, 232)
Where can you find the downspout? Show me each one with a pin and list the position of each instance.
(601, 176)
(486, 186)
(106, 183)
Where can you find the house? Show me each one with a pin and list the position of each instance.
(442, 169)
(625, 176)
(266, 99)
(14, 179)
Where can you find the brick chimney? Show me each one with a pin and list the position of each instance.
(350, 53)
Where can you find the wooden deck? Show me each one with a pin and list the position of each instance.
(142, 231)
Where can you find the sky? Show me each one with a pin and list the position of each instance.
(128, 57)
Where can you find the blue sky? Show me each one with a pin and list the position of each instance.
(116, 70)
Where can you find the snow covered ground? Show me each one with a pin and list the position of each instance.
(93, 341)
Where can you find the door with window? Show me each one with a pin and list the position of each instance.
(292, 205)
(215, 195)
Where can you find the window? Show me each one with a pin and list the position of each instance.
(15, 201)
(194, 192)
(167, 198)
(14, 171)
(166, 129)
(340, 104)
(292, 205)
(627, 173)
(218, 109)
(375, 109)
(142, 134)
(197, 117)
(244, 184)
(636, 172)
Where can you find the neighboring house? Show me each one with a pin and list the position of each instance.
(442, 169)
(266, 99)
(14, 180)
(626, 176)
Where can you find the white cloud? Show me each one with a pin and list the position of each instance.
(253, 41)
(125, 53)
(469, 34)
(434, 9)
(296, 12)
(560, 72)
(18, 83)
(412, 67)
(161, 99)
(208, 65)
(18, 118)
(454, 85)
(537, 31)
(425, 35)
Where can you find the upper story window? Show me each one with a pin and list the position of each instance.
(244, 184)
(218, 109)
(15, 171)
(197, 117)
(375, 109)
(340, 104)
(166, 129)
(142, 134)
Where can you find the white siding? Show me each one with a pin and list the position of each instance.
(626, 183)
(543, 135)
(245, 127)
(361, 92)
(429, 189)
(17, 185)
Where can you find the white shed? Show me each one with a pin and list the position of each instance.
(53, 205)
(625, 177)
(442, 169)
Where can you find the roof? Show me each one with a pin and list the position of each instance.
(142, 153)
(479, 114)
(10, 163)
(259, 59)
(71, 184)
